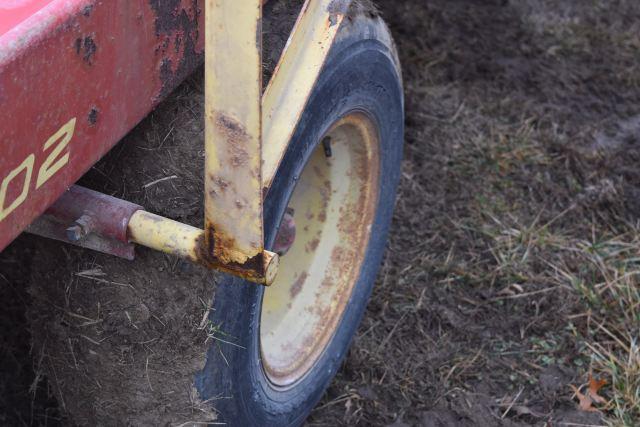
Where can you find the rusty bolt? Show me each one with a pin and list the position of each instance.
(80, 228)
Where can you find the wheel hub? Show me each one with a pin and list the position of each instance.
(323, 250)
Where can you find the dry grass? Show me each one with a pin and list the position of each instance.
(606, 277)
(603, 271)
(512, 272)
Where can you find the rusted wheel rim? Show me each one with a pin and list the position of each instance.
(333, 206)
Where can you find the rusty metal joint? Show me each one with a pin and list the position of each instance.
(185, 241)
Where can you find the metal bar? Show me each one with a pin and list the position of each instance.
(49, 227)
(88, 219)
(188, 242)
(108, 215)
(233, 128)
(110, 225)
(288, 91)
(165, 235)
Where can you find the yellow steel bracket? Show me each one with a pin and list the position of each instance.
(295, 76)
(234, 232)
(246, 133)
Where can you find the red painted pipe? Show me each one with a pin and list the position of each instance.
(102, 214)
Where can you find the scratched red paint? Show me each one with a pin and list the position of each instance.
(105, 63)
(13, 12)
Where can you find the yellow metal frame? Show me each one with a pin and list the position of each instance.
(233, 134)
(286, 95)
(246, 133)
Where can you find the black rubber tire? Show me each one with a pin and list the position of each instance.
(362, 74)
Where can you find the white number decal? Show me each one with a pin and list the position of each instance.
(27, 167)
(52, 164)
(49, 168)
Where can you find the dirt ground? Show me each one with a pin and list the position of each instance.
(521, 155)
(512, 266)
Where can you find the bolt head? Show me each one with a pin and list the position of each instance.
(75, 233)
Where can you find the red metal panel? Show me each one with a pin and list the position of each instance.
(13, 12)
(76, 80)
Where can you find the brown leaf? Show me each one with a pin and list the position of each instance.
(594, 386)
(585, 401)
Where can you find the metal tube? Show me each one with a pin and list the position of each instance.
(189, 242)
(165, 235)
(108, 224)
(108, 215)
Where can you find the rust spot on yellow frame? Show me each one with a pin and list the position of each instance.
(189, 242)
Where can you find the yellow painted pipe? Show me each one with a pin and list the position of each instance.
(185, 241)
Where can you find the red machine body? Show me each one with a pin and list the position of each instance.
(75, 77)
(13, 12)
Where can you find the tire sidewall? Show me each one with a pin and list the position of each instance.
(361, 75)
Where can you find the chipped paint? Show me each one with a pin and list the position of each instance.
(179, 29)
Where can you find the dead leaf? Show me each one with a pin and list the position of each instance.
(594, 386)
(585, 401)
